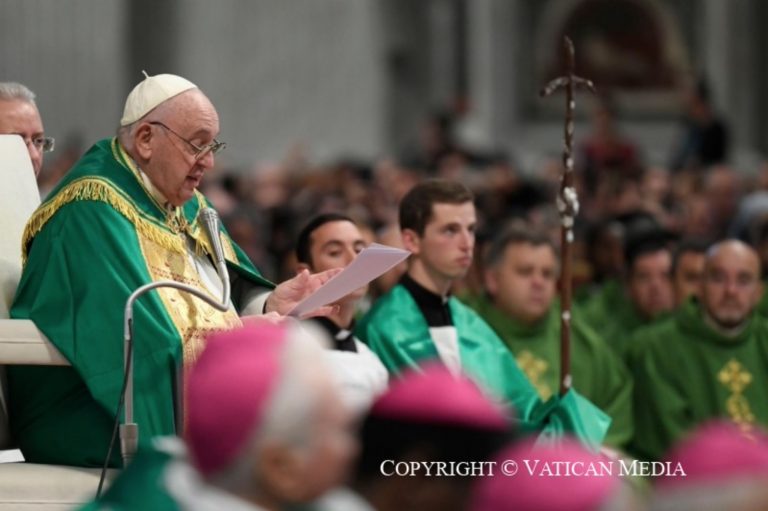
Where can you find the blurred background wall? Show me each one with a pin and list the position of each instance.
(336, 78)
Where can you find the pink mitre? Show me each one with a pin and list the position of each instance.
(520, 485)
(228, 391)
(432, 395)
(718, 452)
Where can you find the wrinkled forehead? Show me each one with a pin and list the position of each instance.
(191, 109)
(734, 261)
(18, 116)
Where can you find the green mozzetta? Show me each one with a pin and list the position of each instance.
(687, 373)
(598, 373)
(83, 258)
(397, 332)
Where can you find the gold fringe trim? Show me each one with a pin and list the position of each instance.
(98, 190)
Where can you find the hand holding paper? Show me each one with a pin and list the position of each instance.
(369, 264)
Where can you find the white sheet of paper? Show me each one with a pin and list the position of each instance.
(370, 263)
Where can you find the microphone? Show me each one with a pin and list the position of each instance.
(210, 222)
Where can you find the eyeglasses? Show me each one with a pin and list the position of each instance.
(214, 147)
(44, 144)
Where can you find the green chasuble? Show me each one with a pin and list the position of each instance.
(98, 237)
(598, 373)
(762, 305)
(396, 330)
(686, 373)
(611, 314)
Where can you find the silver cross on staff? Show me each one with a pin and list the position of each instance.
(568, 206)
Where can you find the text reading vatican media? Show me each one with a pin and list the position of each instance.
(532, 468)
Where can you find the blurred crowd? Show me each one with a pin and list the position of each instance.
(698, 195)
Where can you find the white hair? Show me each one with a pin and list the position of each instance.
(165, 109)
(13, 91)
(289, 412)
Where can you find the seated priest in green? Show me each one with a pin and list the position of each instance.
(688, 269)
(710, 359)
(521, 272)
(645, 295)
(419, 320)
(126, 215)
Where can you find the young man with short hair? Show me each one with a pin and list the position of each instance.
(329, 241)
(419, 320)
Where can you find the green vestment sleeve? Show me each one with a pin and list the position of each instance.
(76, 297)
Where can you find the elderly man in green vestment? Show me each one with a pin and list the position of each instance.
(124, 216)
(708, 360)
(419, 320)
(521, 271)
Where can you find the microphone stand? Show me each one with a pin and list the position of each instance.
(129, 430)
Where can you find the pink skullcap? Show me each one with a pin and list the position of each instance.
(228, 390)
(435, 396)
(716, 452)
(532, 488)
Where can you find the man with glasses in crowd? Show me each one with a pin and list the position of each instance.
(124, 216)
(19, 116)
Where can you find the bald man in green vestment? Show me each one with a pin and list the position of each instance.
(708, 360)
(521, 271)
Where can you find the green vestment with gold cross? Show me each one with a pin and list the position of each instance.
(687, 373)
(598, 373)
(98, 237)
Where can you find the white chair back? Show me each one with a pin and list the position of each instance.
(18, 199)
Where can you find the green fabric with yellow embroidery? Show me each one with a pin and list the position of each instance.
(683, 372)
(598, 373)
(82, 261)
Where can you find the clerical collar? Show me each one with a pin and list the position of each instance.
(343, 340)
(730, 333)
(433, 307)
